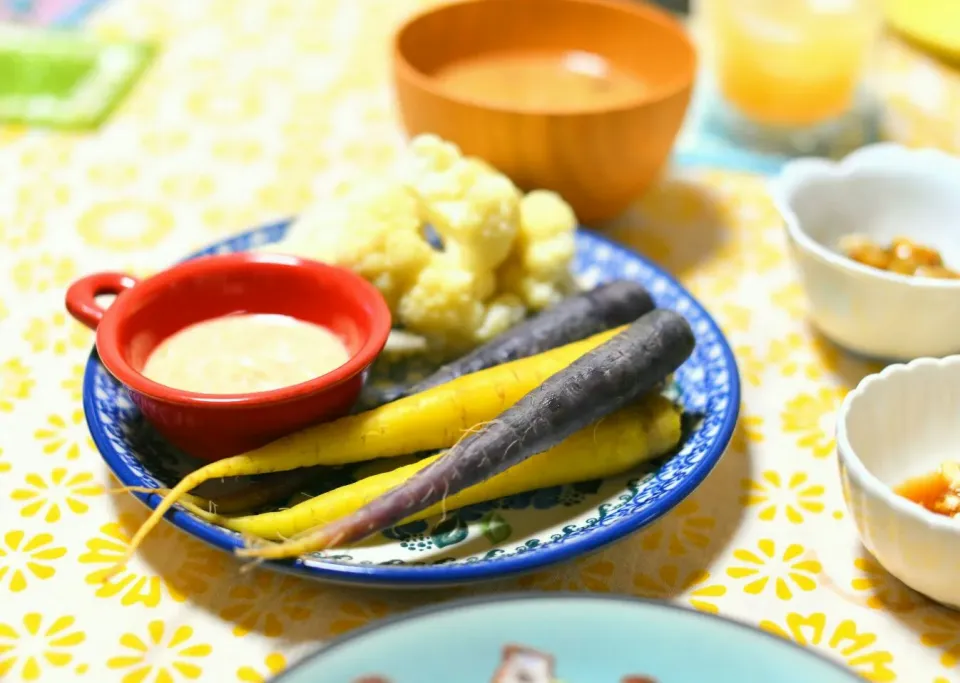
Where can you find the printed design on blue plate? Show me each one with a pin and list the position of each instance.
(703, 385)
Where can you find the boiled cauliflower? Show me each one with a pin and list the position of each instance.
(503, 311)
(374, 230)
(474, 210)
(445, 301)
(538, 269)
(502, 254)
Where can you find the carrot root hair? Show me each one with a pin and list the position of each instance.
(251, 541)
(470, 430)
(186, 484)
(116, 567)
(192, 503)
(310, 541)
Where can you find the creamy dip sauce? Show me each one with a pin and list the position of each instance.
(239, 354)
(551, 81)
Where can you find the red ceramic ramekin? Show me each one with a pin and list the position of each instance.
(214, 426)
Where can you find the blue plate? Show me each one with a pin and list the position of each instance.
(490, 540)
(594, 639)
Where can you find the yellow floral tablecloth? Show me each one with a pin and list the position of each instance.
(254, 108)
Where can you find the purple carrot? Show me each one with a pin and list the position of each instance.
(597, 384)
(580, 316)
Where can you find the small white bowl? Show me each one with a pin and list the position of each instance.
(898, 424)
(880, 191)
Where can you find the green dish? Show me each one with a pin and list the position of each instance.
(65, 80)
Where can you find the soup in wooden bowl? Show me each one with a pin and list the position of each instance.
(583, 97)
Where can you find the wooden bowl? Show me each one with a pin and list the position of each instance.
(599, 156)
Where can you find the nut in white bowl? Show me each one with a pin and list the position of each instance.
(881, 192)
(896, 425)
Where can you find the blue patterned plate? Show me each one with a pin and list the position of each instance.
(490, 540)
(466, 638)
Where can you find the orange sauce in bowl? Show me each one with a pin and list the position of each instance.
(534, 81)
(932, 491)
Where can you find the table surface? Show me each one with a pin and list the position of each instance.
(201, 150)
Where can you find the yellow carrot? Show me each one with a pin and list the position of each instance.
(640, 432)
(436, 418)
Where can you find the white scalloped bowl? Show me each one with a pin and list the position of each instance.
(897, 424)
(881, 191)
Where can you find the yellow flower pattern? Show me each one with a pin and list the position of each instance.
(283, 198)
(186, 569)
(749, 430)
(790, 356)
(73, 384)
(882, 590)
(42, 273)
(734, 318)
(858, 648)
(352, 615)
(774, 496)
(47, 497)
(23, 559)
(789, 299)
(591, 576)
(941, 630)
(302, 161)
(64, 434)
(125, 224)
(238, 150)
(268, 602)
(164, 141)
(47, 157)
(809, 416)
(224, 107)
(170, 652)
(188, 187)
(16, 384)
(690, 530)
(274, 663)
(58, 334)
(19, 231)
(37, 643)
(43, 196)
(751, 366)
(112, 174)
(220, 136)
(701, 593)
(783, 571)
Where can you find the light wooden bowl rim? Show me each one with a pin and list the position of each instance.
(642, 10)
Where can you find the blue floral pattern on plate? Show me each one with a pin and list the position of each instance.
(490, 540)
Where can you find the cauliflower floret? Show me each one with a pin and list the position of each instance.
(473, 209)
(446, 301)
(538, 268)
(502, 312)
(375, 230)
(536, 293)
(546, 241)
(428, 167)
(479, 228)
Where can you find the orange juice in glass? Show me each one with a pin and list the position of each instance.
(789, 63)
